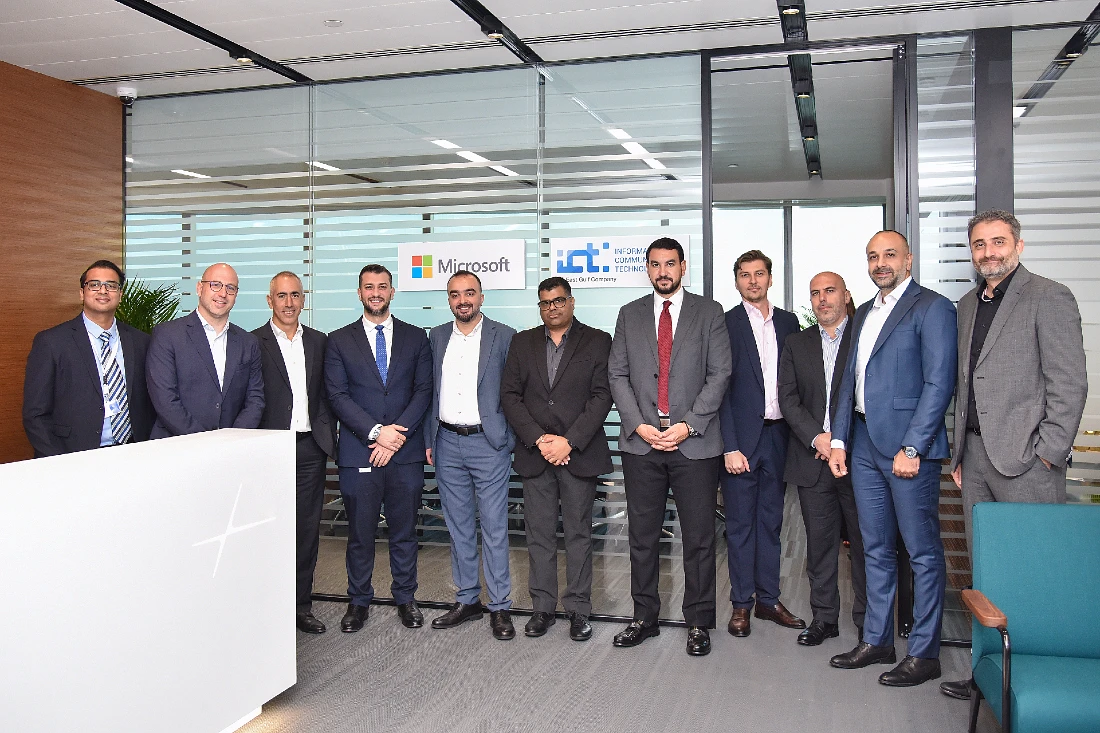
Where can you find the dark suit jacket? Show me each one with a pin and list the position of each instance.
(495, 340)
(63, 395)
(910, 376)
(278, 397)
(360, 400)
(802, 398)
(575, 407)
(742, 411)
(183, 382)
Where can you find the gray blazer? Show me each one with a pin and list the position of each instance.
(495, 340)
(700, 371)
(1030, 381)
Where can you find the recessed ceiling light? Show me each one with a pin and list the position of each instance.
(619, 134)
(472, 157)
(1073, 55)
(803, 95)
(191, 174)
(322, 166)
(809, 138)
(732, 165)
(242, 59)
(446, 144)
(790, 11)
(495, 35)
(334, 23)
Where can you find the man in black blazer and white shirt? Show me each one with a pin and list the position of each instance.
(85, 379)
(293, 359)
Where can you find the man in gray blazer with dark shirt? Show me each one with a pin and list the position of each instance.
(1021, 380)
(669, 366)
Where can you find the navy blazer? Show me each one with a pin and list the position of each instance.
(742, 412)
(360, 400)
(183, 382)
(62, 393)
(910, 376)
(496, 338)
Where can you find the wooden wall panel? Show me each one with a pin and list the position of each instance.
(61, 208)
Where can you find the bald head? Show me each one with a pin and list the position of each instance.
(829, 298)
(889, 260)
(217, 293)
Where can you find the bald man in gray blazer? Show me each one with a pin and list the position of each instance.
(669, 366)
(1021, 380)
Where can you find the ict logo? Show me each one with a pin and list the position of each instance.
(588, 254)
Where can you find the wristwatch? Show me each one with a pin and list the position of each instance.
(691, 430)
(910, 452)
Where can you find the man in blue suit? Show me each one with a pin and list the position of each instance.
(378, 375)
(204, 372)
(470, 444)
(898, 381)
(755, 437)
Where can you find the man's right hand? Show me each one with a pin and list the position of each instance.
(428, 456)
(736, 462)
(838, 458)
(390, 437)
(822, 445)
(957, 475)
(649, 434)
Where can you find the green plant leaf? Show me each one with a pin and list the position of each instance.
(143, 307)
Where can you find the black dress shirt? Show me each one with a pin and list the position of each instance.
(554, 352)
(983, 319)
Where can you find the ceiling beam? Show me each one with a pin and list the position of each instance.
(1074, 49)
(494, 28)
(237, 51)
(792, 17)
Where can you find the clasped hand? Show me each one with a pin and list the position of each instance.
(555, 449)
(389, 441)
(668, 439)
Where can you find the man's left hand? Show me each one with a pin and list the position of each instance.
(906, 467)
(671, 437)
(380, 456)
(555, 449)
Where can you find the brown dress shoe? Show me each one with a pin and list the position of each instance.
(780, 615)
(739, 622)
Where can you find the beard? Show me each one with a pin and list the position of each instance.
(891, 283)
(469, 316)
(377, 312)
(664, 289)
(996, 268)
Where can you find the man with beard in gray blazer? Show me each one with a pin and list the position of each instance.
(669, 366)
(1021, 380)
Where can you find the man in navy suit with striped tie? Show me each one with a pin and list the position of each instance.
(378, 374)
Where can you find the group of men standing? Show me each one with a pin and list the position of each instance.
(850, 411)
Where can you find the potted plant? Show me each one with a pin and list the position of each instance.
(144, 307)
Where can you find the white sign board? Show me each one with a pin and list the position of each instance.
(609, 262)
(500, 263)
(157, 592)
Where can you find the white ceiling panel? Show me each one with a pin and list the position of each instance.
(254, 77)
(440, 61)
(662, 43)
(535, 18)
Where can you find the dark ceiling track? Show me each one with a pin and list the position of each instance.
(235, 50)
(494, 28)
(792, 17)
(1074, 49)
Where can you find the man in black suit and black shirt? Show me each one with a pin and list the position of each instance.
(293, 359)
(810, 370)
(85, 381)
(555, 394)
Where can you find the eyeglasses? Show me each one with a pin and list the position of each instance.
(110, 286)
(216, 286)
(555, 303)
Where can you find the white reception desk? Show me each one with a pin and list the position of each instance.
(148, 587)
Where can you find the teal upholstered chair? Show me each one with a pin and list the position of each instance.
(1036, 606)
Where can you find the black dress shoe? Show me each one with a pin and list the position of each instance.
(959, 690)
(501, 624)
(911, 672)
(818, 632)
(635, 633)
(579, 628)
(410, 615)
(864, 655)
(779, 614)
(309, 623)
(354, 618)
(459, 612)
(539, 623)
(698, 642)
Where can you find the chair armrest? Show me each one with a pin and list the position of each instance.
(984, 611)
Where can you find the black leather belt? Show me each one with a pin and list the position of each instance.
(768, 422)
(860, 415)
(303, 434)
(461, 429)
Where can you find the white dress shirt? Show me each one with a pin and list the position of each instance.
(763, 331)
(218, 343)
(106, 435)
(677, 299)
(372, 336)
(830, 349)
(294, 357)
(458, 385)
(868, 336)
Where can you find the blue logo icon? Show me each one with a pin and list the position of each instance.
(588, 254)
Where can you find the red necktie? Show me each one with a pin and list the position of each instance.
(664, 356)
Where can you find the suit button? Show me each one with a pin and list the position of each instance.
(289, 408)
(551, 403)
(656, 376)
(217, 405)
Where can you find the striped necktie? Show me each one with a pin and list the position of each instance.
(380, 353)
(114, 384)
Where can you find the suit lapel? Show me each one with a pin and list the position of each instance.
(1004, 311)
(359, 335)
(649, 328)
(841, 358)
(689, 311)
(741, 318)
(967, 308)
(197, 333)
(576, 333)
(88, 356)
(234, 350)
(905, 302)
(126, 343)
(268, 340)
(488, 338)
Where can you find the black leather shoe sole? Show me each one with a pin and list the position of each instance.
(959, 690)
(310, 625)
(911, 672)
(538, 627)
(447, 621)
(629, 638)
(853, 661)
(815, 635)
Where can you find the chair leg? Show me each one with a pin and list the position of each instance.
(975, 703)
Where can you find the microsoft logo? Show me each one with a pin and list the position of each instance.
(421, 266)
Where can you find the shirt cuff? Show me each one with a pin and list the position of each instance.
(837, 444)
(375, 432)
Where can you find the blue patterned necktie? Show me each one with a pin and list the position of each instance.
(380, 352)
(115, 386)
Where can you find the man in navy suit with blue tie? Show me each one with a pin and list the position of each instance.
(890, 428)
(755, 437)
(378, 374)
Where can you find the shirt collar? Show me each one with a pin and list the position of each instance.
(94, 328)
(475, 332)
(894, 295)
(206, 326)
(676, 298)
(546, 331)
(753, 312)
(1002, 288)
(839, 330)
(387, 325)
(281, 333)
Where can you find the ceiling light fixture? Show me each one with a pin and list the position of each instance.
(242, 59)
(790, 11)
(809, 139)
(129, 159)
(473, 157)
(618, 134)
(334, 23)
(190, 174)
(1073, 55)
(732, 165)
(447, 144)
(495, 35)
(322, 166)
